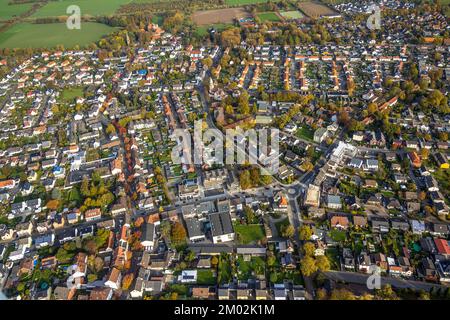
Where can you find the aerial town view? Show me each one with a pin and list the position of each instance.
(224, 150)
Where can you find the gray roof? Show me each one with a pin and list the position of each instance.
(220, 223)
(148, 232)
(251, 250)
(194, 228)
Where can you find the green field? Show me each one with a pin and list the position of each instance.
(205, 277)
(290, 15)
(268, 16)
(27, 35)
(8, 11)
(203, 30)
(338, 235)
(68, 94)
(243, 2)
(306, 133)
(249, 233)
(87, 7)
(256, 265)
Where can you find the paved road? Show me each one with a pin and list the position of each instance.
(359, 278)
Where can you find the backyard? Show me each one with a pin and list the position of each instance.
(206, 277)
(249, 233)
(246, 269)
(305, 133)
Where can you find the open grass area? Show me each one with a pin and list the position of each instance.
(224, 270)
(203, 30)
(305, 133)
(205, 277)
(87, 7)
(268, 16)
(27, 35)
(249, 233)
(256, 266)
(443, 178)
(291, 15)
(243, 2)
(68, 94)
(8, 11)
(338, 235)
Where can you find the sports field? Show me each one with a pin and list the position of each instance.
(268, 16)
(292, 15)
(9, 11)
(243, 2)
(27, 35)
(87, 7)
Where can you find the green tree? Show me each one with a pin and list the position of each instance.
(307, 266)
(244, 180)
(322, 263)
(305, 232)
(178, 234)
(288, 231)
(309, 248)
(342, 294)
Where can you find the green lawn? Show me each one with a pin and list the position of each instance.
(87, 7)
(68, 94)
(224, 270)
(338, 235)
(246, 268)
(27, 35)
(305, 133)
(443, 178)
(295, 14)
(203, 30)
(205, 277)
(249, 233)
(243, 2)
(9, 11)
(268, 16)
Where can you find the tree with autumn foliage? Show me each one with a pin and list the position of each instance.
(178, 234)
(53, 204)
(127, 280)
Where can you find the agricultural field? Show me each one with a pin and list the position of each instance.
(27, 35)
(292, 15)
(243, 2)
(87, 7)
(219, 16)
(9, 11)
(316, 10)
(268, 16)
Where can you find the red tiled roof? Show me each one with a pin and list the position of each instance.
(442, 246)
